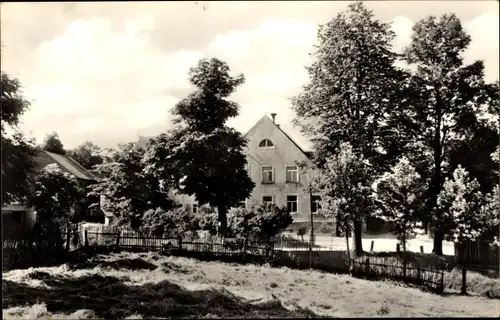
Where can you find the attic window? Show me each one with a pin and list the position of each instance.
(266, 143)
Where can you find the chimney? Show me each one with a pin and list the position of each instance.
(274, 116)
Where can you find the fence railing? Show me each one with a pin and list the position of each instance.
(297, 255)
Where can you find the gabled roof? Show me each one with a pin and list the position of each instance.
(308, 154)
(72, 166)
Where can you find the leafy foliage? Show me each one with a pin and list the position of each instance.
(206, 154)
(398, 198)
(353, 88)
(345, 189)
(52, 143)
(87, 154)
(353, 83)
(462, 208)
(263, 222)
(173, 223)
(443, 93)
(14, 105)
(18, 153)
(207, 219)
(243, 222)
(54, 196)
(130, 191)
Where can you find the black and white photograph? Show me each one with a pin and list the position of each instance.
(250, 159)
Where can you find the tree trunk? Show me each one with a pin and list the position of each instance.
(436, 177)
(358, 242)
(438, 242)
(347, 244)
(222, 220)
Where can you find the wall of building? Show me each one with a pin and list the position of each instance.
(284, 153)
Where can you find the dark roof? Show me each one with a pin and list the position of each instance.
(72, 166)
(308, 154)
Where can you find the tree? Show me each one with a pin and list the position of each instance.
(207, 154)
(18, 153)
(441, 91)
(87, 154)
(461, 207)
(54, 196)
(344, 190)
(52, 143)
(129, 189)
(398, 198)
(353, 86)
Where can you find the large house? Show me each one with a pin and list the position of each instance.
(17, 215)
(273, 160)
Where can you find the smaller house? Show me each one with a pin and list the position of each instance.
(16, 216)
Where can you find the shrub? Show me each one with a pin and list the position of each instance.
(301, 231)
(172, 223)
(262, 222)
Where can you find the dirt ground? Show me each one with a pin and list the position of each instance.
(149, 285)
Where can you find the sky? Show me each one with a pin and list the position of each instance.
(109, 72)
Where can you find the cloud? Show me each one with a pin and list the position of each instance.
(106, 79)
(108, 73)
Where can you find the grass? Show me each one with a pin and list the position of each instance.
(133, 285)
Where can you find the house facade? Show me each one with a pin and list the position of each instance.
(273, 160)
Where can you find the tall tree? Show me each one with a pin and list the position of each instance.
(208, 154)
(344, 190)
(87, 154)
(353, 84)
(442, 91)
(18, 153)
(52, 143)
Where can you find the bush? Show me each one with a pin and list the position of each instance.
(301, 231)
(208, 219)
(172, 223)
(263, 222)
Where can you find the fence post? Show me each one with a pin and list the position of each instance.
(367, 266)
(372, 245)
(68, 239)
(180, 243)
(464, 279)
(117, 239)
(441, 287)
(244, 249)
(86, 238)
(398, 248)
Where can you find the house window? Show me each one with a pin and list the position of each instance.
(195, 207)
(292, 174)
(267, 200)
(291, 203)
(267, 174)
(266, 143)
(315, 203)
